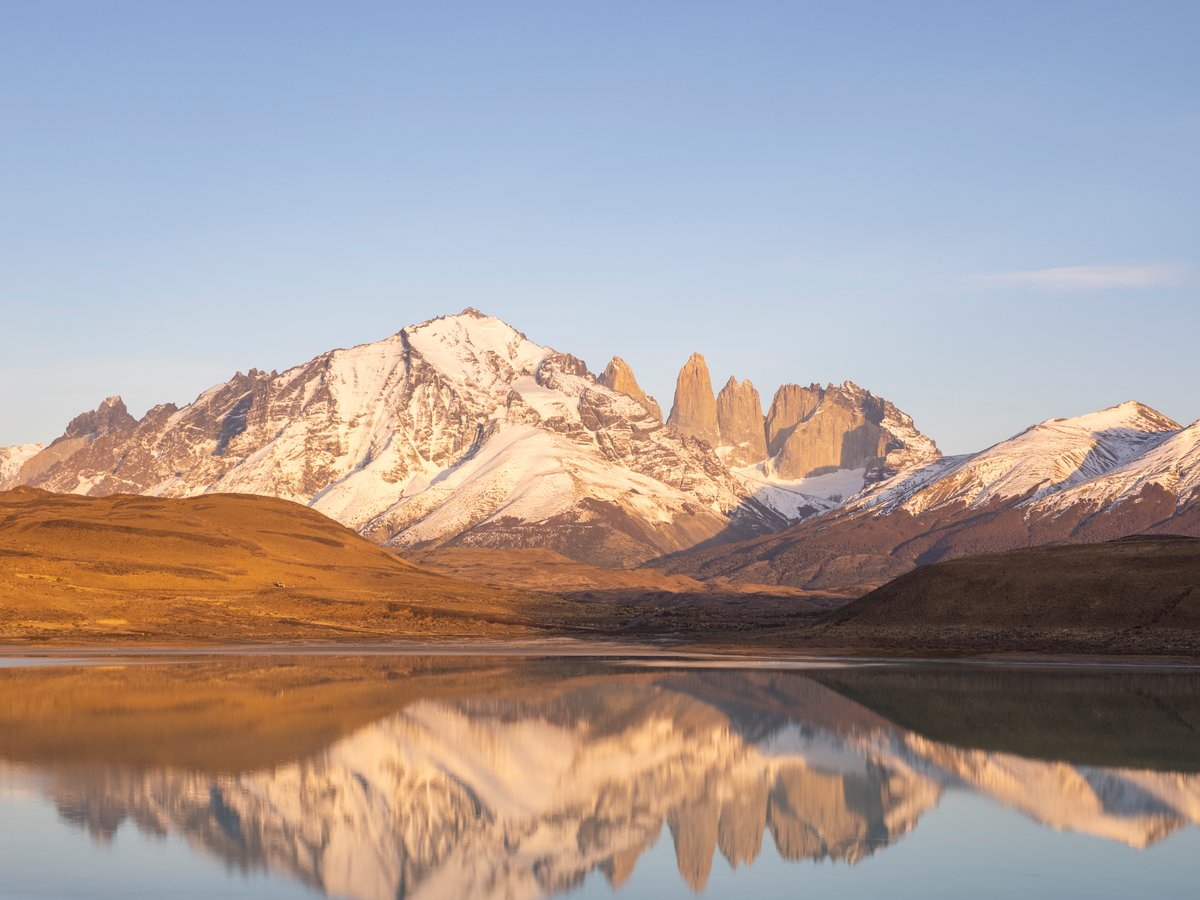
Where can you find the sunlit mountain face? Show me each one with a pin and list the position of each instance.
(518, 779)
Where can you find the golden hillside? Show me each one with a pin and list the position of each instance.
(227, 567)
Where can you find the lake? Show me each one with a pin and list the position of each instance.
(409, 776)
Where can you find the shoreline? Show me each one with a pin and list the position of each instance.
(16, 655)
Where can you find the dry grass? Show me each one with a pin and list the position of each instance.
(1133, 596)
(229, 567)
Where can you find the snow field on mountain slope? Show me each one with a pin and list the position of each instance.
(1052, 456)
(547, 402)
(528, 474)
(458, 347)
(12, 458)
(365, 383)
(1172, 464)
(515, 469)
(796, 498)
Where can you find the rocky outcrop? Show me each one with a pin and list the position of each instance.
(740, 827)
(694, 411)
(842, 432)
(617, 376)
(110, 417)
(740, 420)
(816, 430)
(791, 405)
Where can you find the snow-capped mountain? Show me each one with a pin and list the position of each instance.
(1116, 472)
(523, 794)
(1113, 472)
(814, 448)
(456, 429)
(12, 459)
(818, 457)
(1043, 460)
(1170, 467)
(459, 429)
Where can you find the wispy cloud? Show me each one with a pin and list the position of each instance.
(1087, 278)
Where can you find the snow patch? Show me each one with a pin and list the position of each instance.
(801, 498)
(12, 458)
(1047, 458)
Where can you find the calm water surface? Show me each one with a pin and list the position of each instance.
(429, 777)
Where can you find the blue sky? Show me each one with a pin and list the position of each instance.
(985, 212)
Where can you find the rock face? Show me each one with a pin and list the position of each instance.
(841, 432)
(694, 412)
(618, 376)
(815, 431)
(740, 420)
(792, 404)
(110, 417)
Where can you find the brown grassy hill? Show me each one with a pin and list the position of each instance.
(1137, 595)
(228, 567)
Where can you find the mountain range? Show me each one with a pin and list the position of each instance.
(1118, 472)
(462, 432)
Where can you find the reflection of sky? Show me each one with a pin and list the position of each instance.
(967, 846)
(43, 857)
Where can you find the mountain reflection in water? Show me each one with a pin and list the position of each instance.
(508, 778)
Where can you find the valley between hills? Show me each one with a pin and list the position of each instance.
(458, 480)
(238, 569)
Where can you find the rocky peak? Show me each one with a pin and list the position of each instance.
(108, 416)
(813, 430)
(791, 405)
(740, 420)
(694, 411)
(619, 377)
(472, 348)
(462, 429)
(84, 431)
(563, 372)
(560, 364)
